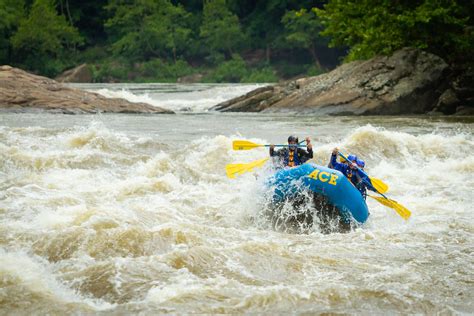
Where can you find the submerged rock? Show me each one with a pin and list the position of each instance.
(21, 91)
(410, 81)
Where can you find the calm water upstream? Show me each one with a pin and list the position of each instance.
(134, 214)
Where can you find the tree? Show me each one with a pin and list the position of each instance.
(144, 29)
(11, 12)
(88, 16)
(303, 28)
(262, 21)
(371, 27)
(37, 42)
(220, 29)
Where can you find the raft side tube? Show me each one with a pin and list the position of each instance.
(288, 183)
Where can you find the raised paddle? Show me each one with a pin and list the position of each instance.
(233, 170)
(247, 145)
(239, 168)
(377, 184)
(400, 209)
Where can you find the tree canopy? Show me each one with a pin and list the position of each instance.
(371, 27)
(237, 40)
(36, 41)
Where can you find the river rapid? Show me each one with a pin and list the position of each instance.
(120, 213)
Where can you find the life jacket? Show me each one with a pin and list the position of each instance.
(349, 174)
(291, 158)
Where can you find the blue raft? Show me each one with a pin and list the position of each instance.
(339, 191)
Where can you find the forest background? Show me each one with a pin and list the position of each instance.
(225, 41)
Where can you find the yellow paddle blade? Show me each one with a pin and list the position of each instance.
(379, 185)
(233, 170)
(244, 145)
(400, 209)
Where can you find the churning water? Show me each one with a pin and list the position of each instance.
(134, 214)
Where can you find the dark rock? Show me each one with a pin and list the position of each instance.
(22, 92)
(408, 82)
(465, 110)
(79, 74)
(447, 102)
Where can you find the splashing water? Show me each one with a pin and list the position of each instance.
(134, 214)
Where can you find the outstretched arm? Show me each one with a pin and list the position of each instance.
(309, 148)
(275, 153)
(333, 163)
(307, 154)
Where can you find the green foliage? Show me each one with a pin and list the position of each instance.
(116, 70)
(119, 70)
(220, 29)
(145, 40)
(11, 12)
(236, 70)
(302, 27)
(371, 27)
(290, 70)
(146, 29)
(264, 75)
(157, 69)
(314, 71)
(94, 53)
(233, 70)
(43, 45)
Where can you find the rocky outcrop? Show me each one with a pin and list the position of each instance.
(459, 97)
(21, 91)
(79, 74)
(408, 82)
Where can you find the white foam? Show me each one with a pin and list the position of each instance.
(109, 200)
(200, 99)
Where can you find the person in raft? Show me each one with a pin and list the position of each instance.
(293, 156)
(350, 170)
(361, 181)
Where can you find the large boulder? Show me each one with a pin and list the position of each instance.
(21, 91)
(408, 82)
(79, 74)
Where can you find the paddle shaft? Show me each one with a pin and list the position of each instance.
(282, 145)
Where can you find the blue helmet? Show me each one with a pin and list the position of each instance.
(352, 158)
(360, 163)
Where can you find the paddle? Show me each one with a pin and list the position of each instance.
(239, 168)
(247, 145)
(377, 184)
(400, 209)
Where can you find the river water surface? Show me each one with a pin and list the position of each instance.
(124, 213)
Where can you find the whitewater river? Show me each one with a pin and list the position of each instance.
(134, 213)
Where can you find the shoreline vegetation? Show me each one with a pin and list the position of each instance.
(271, 41)
(224, 40)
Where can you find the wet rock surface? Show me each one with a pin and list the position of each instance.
(21, 91)
(410, 81)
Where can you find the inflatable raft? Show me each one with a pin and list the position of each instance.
(329, 183)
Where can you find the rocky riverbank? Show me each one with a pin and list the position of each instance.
(21, 91)
(408, 82)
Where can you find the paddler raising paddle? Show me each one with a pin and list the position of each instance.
(293, 156)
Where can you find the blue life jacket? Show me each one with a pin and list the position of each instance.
(342, 167)
(291, 158)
